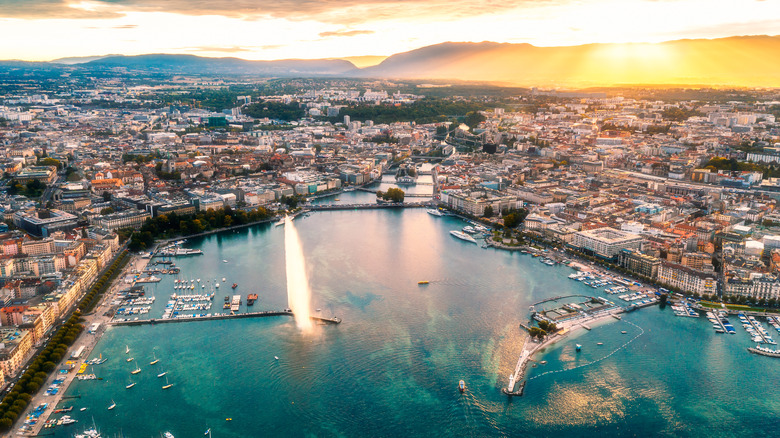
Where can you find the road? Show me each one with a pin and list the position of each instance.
(49, 191)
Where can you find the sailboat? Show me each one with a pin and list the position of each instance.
(127, 349)
(167, 385)
(112, 406)
(162, 373)
(129, 359)
(136, 370)
(155, 359)
(130, 385)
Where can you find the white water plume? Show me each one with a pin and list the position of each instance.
(298, 291)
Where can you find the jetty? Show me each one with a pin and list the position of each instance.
(531, 347)
(764, 351)
(218, 316)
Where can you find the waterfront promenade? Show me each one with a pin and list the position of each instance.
(102, 315)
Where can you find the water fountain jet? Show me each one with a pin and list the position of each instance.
(298, 290)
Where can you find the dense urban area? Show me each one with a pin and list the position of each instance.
(676, 188)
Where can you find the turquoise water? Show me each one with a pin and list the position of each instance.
(392, 367)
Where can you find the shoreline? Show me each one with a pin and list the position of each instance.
(88, 340)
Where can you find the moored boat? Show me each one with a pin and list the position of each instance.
(463, 236)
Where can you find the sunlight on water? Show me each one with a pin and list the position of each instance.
(298, 292)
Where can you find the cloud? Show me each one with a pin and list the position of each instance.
(60, 9)
(125, 26)
(345, 33)
(344, 12)
(756, 27)
(230, 49)
(233, 49)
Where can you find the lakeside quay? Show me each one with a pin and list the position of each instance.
(85, 339)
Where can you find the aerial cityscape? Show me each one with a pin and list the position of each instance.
(389, 218)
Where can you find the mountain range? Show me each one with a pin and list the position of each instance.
(740, 61)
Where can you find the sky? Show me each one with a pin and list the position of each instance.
(41, 30)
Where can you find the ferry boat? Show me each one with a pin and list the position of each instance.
(461, 386)
(434, 212)
(463, 236)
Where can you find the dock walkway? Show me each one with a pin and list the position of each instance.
(214, 317)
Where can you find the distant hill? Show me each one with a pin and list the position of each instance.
(749, 61)
(189, 64)
(733, 61)
(78, 59)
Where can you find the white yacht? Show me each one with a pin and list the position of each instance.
(463, 236)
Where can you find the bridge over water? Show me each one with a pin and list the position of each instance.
(327, 207)
(407, 195)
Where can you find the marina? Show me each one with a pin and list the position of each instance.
(755, 330)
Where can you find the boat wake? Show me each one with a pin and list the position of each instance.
(641, 332)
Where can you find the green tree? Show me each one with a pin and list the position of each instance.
(489, 211)
(473, 119)
(392, 194)
(50, 162)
